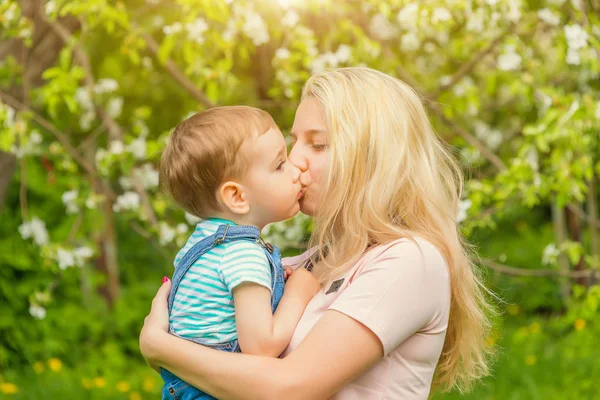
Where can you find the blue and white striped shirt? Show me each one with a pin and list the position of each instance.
(203, 305)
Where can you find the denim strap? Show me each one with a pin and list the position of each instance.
(223, 233)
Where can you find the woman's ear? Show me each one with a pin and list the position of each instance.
(233, 197)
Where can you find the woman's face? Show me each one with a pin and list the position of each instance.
(310, 152)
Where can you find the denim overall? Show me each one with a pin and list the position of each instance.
(175, 388)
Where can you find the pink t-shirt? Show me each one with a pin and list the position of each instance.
(401, 292)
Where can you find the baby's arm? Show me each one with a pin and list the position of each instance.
(259, 331)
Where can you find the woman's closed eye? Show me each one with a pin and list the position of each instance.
(280, 165)
(319, 147)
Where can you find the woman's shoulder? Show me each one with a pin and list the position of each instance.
(403, 256)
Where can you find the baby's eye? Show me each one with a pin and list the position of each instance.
(319, 147)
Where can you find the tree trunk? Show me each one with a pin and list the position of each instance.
(8, 163)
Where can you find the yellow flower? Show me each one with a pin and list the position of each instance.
(135, 396)
(513, 309)
(8, 388)
(534, 328)
(148, 385)
(99, 382)
(123, 386)
(530, 360)
(38, 367)
(55, 364)
(580, 324)
(87, 383)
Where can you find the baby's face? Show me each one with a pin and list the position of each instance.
(271, 183)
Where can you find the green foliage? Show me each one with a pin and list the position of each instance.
(512, 85)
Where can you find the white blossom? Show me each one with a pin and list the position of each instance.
(90, 202)
(86, 119)
(255, 28)
(532, 159)
(115, 107)
(116, 147)
(290, 19)
(84, 99)
(476, 21)
(573, 57)
(410, 42)
(323, 61)
(65, 258)
(147, 176)
(35, 229)
(509, 60)
(37, 312)
(463, 207)
(282, 53)
(137, 147)
(172, 29)
(548, 16)
(196, 30)
(408, 16)
(125, 183)
(182, 228)
(576, 36)
(597, 113)
(289, 93)
(127, 201)
(230, 30)
(166, 233)
(441, 14)
(106, 86)
(551, 252)
(69, 199)
(381, 28)
(35, 137)
(192, 219)
(343, 53)
(82, 254)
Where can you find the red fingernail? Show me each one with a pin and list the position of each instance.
(165, 279)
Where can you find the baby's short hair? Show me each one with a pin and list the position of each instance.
(203, 151)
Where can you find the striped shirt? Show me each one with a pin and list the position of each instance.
(203, 305)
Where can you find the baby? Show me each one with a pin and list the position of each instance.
(228, 165)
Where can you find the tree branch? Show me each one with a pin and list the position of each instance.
(179, 76)
(470, 65)
(514, 271)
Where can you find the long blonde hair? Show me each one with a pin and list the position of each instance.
(391, 177)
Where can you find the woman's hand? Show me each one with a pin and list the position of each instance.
(156, 325)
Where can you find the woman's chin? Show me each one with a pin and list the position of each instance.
(306, 206)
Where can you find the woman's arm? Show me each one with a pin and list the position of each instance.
(325, 361)
(259, 331)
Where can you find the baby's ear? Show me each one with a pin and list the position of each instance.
(234, 198)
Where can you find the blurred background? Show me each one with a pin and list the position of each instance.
(89, 90)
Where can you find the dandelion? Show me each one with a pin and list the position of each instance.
(534, 328)
(8, 388)
(135, 396)
(513, 309)
(530, 360)
(99, 382)
(123, 387)
(38, 367)
(579, 324)
(148, 385)
(54, 364)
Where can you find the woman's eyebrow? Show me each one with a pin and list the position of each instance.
(310, 132)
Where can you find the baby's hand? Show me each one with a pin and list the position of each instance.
(303, 283)
(287, 271)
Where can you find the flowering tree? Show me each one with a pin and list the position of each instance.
(90, 89)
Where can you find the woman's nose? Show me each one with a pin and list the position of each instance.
(297, 159)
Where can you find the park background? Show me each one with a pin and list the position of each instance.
(90, 89)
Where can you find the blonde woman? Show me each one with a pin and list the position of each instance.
(401, 309)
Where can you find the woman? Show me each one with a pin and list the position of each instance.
(400, 307)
